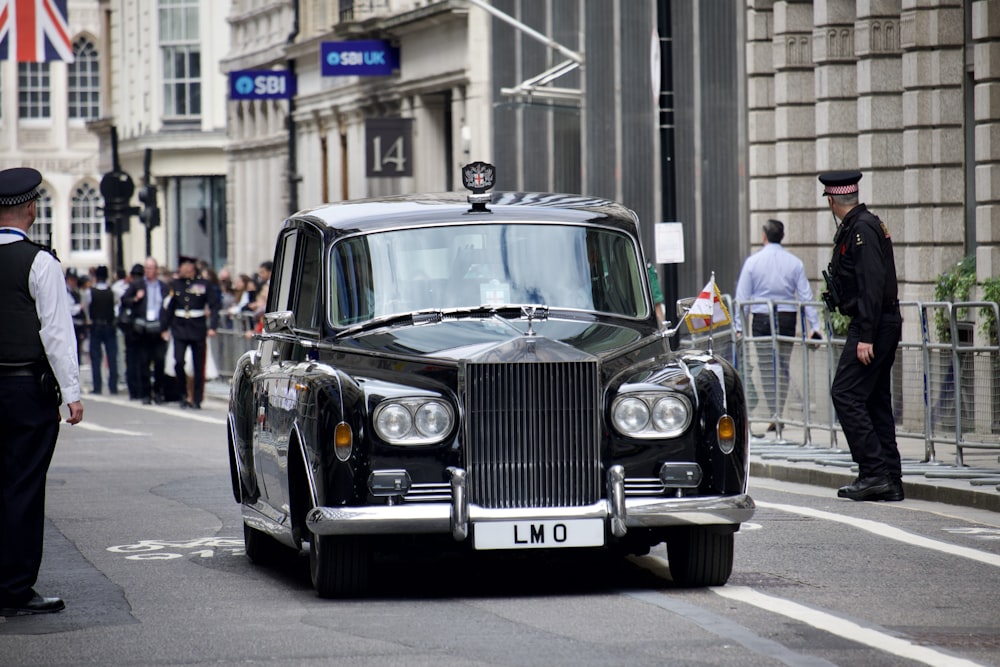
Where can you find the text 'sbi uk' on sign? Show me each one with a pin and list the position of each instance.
(261, 85)
(372, 57)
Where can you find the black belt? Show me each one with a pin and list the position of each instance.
(18, 371)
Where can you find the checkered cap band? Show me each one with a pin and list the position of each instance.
(841, 189)
(19, 199)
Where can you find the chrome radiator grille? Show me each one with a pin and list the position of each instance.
(532, 434)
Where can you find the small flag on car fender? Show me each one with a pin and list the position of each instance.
(707, 311)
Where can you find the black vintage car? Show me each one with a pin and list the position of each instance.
(489, 371)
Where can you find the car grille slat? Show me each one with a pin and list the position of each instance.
(532, 434)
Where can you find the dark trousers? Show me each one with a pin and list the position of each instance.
(104, 343)
(152, 356)
(862, 396)
(773, 361)
(28, 433)
(198, 347)
(133, 357)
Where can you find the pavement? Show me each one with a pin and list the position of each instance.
(792, 457)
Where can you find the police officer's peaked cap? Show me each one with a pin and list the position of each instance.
(184, 259)
(137, 270)
(19, 185)
(840, 182)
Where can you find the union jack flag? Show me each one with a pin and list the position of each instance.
(34, 31)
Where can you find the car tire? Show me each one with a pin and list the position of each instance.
(700, 556)
(339, 565)
(262, 549)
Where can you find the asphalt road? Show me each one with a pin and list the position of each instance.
(144, 542)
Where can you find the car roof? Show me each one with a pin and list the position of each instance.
(452, 207)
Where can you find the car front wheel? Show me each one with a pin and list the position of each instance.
(701, 555)
(339, 565)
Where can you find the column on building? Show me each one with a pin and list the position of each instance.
(986, 59)
(839, 99)
(760, 109)
(931, 39)
(794, 127)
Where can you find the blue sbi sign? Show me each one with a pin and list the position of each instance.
(261, 85)
(373, 57)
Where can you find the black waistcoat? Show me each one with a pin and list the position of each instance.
(20, 341)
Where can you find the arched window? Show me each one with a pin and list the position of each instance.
(86, 227)
(84, 81)
(41, 230)
(33, 91)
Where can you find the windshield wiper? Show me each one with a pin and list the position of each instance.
(531, 312)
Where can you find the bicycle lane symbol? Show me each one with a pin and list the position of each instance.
(203, 547)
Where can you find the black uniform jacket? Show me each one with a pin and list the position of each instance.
(865, 265)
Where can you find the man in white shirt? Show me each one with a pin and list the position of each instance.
(39, 372)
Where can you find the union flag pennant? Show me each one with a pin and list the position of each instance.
(707, 311)
(35, 31)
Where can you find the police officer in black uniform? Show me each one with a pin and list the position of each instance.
(39, 372)
(192, 313)
(862, 285)
(103, 335)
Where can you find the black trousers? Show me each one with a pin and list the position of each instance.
(198, 348)
(152, 356)
(862, 396)
(28, 432)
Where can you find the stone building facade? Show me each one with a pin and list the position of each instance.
(906, 91)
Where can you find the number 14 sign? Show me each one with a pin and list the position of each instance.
(389, 143)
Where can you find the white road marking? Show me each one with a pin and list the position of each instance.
(172, 409)
(826, 622)
(890, 532)
(89, 426)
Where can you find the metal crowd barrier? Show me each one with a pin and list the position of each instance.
(233, 337)
(945, 384)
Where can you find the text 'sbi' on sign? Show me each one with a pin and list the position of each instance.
(389, 143)
(373, 57)
(261, 85)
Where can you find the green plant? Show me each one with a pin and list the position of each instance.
(991, 292)
(953, 286)
(839, 323)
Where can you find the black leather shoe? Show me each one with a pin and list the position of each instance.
(896, 493)
(36, 605)
(867, 488)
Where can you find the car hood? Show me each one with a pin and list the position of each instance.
(496, 339)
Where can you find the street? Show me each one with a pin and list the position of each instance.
(144, 542)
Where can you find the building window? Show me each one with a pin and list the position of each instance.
(41, 231)
(86, 227)
(179, 45)
(84, 81)
(33, 90)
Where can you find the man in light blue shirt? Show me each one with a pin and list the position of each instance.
(773, 275)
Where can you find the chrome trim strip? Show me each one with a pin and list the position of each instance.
(459, 518)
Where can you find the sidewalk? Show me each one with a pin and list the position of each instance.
(975, 485)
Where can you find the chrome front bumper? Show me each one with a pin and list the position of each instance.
(619, 512)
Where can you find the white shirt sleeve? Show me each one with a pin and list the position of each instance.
(48, 288)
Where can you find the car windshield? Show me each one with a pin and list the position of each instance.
(467, 266)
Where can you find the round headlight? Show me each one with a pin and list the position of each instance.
(432, 420)
(393, 422)
(631, 415)
(670, 415)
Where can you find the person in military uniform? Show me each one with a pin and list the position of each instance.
(192, 313)
(39, 371)
(861, 283)
(103, 335)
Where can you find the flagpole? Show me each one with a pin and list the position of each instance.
(711, 317)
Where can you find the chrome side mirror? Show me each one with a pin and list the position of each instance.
(278, 321)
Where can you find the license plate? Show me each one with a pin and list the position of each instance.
(552, 534)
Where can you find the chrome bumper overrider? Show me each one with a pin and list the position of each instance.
(620, 512)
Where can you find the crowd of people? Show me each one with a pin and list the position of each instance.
(150, 326)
